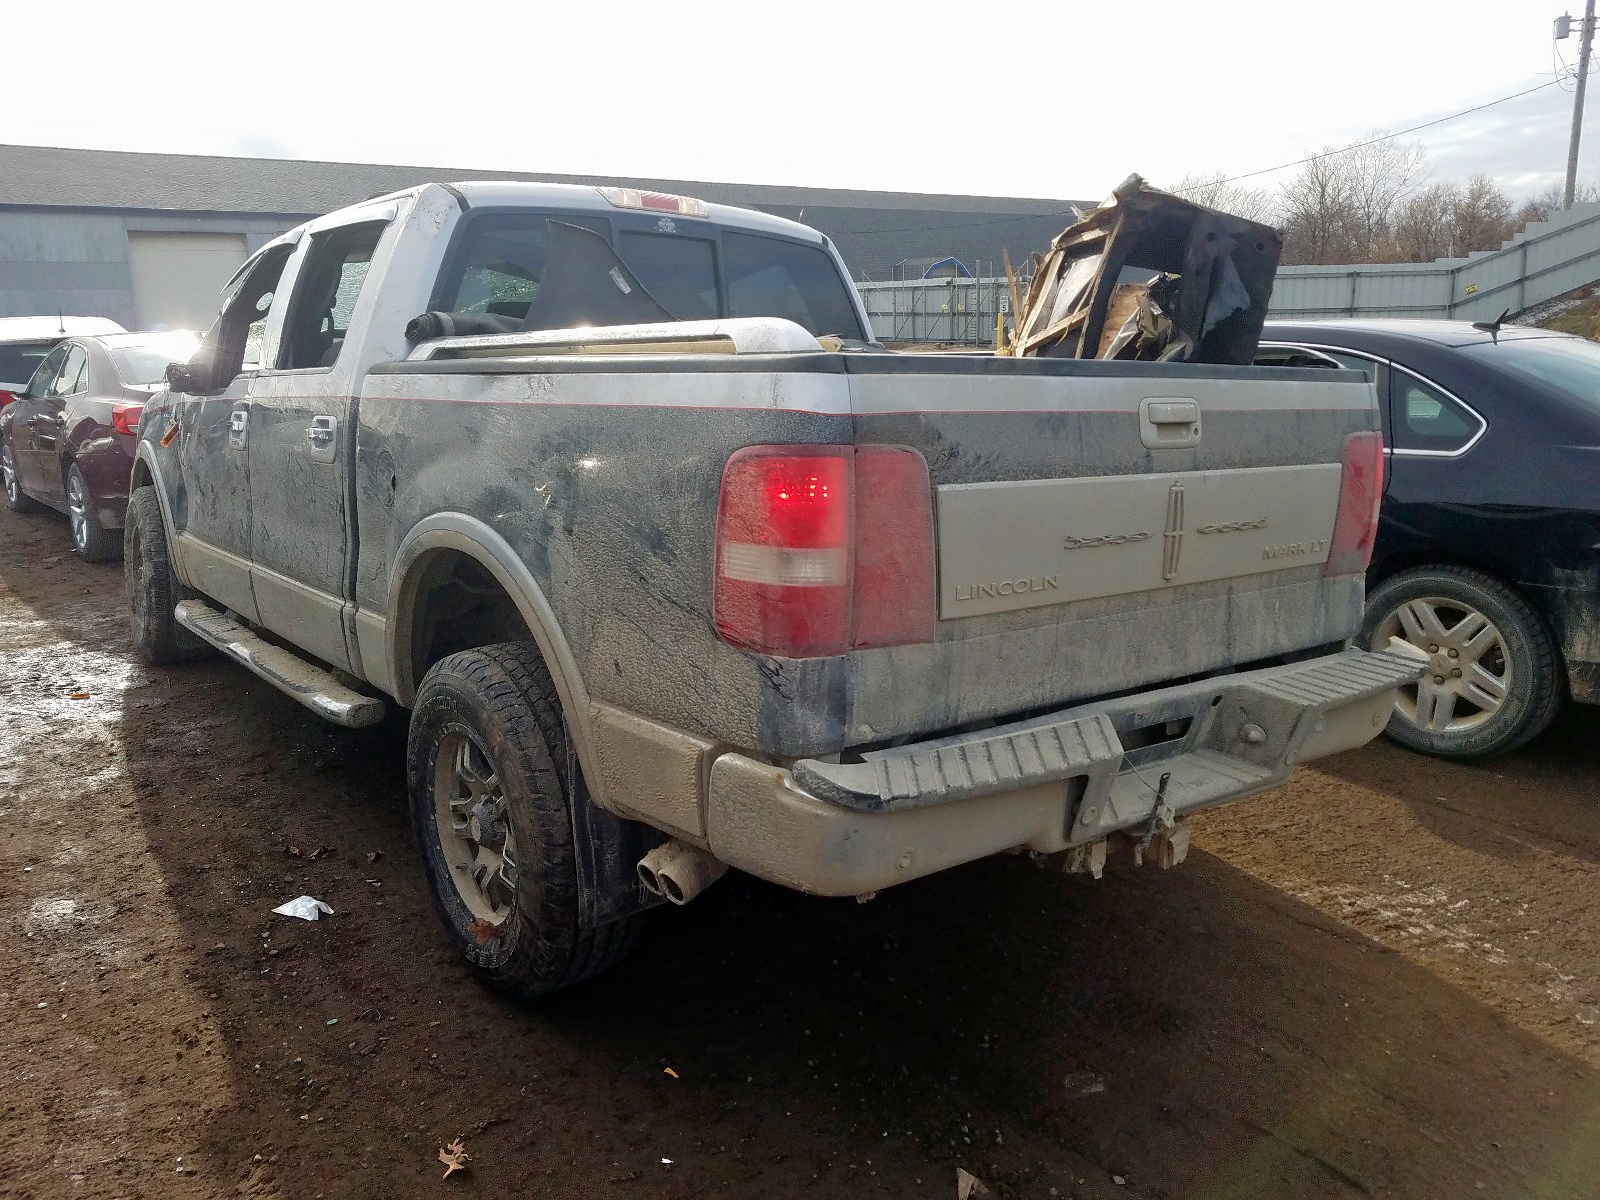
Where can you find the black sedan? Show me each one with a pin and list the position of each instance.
(1488, 551)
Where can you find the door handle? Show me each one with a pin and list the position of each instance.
(1169, 422)
(322, 430)
(1173, 412)
(238, 428)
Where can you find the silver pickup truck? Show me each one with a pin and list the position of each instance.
(676, 570)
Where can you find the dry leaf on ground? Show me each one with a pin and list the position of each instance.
(454, 1157)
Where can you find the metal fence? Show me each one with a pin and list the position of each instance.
(1545, 260)
(956, 310)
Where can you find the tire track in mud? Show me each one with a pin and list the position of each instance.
(1507, 916)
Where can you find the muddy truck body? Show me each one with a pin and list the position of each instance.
(676, 570)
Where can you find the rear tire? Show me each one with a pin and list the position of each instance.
(17, 500)
(153, 589)
(1493, 681)
(486, 769)
(91, 541)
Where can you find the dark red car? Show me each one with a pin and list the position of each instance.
(67, 441)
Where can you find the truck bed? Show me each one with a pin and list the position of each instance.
(602, 475)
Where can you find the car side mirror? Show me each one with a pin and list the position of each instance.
(189, 378)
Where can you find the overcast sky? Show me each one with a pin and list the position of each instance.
(1057, 99)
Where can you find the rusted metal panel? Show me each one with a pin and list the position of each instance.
(1150, 276)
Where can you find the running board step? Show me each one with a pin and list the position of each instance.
(292, 675)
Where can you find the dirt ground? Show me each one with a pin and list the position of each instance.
(1381, 981)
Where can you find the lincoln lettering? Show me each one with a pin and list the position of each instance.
(1007, 587)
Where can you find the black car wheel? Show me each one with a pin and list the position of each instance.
(1492, 681)
(17, 500)
(90, 539)
(153, 588)
(487, 771)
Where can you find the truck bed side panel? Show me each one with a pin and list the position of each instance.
(605, 482)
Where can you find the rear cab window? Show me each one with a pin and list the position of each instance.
(497, 266)
(770, 277)
(695, 270)
(680, 272)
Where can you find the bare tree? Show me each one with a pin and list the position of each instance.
(1383, 175)
(1540, 205)
(1482, 216)
(1214, 191)
(1319, 214)
(1340, 206)
(1423, 228)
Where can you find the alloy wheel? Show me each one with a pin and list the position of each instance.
(1469, 669)
(475, 832)
(8, 468)
(78, 509)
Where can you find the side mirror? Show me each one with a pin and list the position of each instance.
(189, 378)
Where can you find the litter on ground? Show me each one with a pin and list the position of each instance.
(307, 908)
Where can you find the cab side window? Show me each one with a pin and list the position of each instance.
(1424, 418)
(325, 295)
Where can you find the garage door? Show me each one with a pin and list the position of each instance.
(177, 276)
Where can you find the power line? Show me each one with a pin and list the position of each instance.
(1009, 220)
(1374, 141)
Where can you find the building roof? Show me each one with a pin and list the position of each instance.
(873, 230)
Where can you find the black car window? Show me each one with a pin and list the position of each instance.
(1424, 418)
(325, 295)
(19, 360)
(1569, 365)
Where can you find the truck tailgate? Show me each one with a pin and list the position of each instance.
(1105, 526)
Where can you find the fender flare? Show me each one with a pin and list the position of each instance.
(146, 456)
(468, 535)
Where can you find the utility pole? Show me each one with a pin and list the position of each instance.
(1585, 41)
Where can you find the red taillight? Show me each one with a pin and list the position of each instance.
(1360, 492)
(823, 549)
(894, 584)
(125, 418)
(6, 397)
